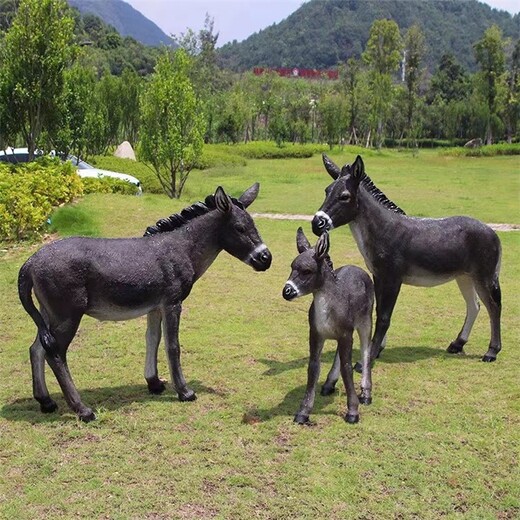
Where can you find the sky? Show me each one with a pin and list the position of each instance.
(236, 19)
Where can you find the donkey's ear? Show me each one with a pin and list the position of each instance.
(249, 196)
(358, 168)
(302, 244)
(222, 201)
(332, 169)
(322, 246)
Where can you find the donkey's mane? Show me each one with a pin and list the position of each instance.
(178, 220)
(378, 195)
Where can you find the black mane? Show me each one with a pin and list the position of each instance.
(377, 194)
(177, 220)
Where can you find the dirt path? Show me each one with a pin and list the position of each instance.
(288, 216)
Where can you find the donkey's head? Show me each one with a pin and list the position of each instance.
(306, 269)
(341, 197)
(238, 235)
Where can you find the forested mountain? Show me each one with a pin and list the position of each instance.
(127, 20)
(323, 33)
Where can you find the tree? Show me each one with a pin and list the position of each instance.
(489, 52)
(450, 81)
(350, 83)
(76, 111)
(382, 55)
(172, 122)
(512, 93)
(414, 52)
(332, 110)
(36, 50)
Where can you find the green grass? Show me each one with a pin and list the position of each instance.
(442, 438)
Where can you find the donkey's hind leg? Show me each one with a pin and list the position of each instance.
(467, 288)
(40, 391)
(490, 294)
(153, 338)
(56, 356)
(347, 373)
(329, 387)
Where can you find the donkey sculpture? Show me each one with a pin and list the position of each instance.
(120, 279)
(399, 249)
(343, 301)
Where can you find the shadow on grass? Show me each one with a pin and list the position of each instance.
(106, 398)
(291, 404)
(390, 355)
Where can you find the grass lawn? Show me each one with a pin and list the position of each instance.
(442, 438)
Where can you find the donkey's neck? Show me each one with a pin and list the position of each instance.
(202, 240)
(326, 285)
(372, 226)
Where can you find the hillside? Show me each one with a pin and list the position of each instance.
(127, 20)
(322, 33)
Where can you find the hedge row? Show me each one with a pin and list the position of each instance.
(491, 150)
(29, 191)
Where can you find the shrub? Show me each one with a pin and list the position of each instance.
(29, 191)
(491, 150)
(149, 181)
(107, 185)
(270, 150)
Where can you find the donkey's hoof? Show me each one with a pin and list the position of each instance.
(489, 359)
(352, 419)
(87, 416)
(455, 348)
(187, 396)
(156, 387)
(363, 399)
(327, 390)
(48, 406)
(358, 367)
(301, 419)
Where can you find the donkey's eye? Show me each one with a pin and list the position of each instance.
(305, 272)
(345, 196)
(240, 228)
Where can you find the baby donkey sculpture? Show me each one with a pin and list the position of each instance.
(343, 301)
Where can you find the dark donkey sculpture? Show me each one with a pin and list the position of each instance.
(120, 279)
(343, 301)
(399, 249)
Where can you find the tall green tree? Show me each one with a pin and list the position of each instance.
(76, 111)
(172, 122)
(35, 52)
(450, 82)
(414, 48)
(490, 55)
(382, 55)
(512, 94)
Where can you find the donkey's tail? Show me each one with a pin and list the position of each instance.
(25, 285)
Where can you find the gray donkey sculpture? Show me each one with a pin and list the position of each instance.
(120, 279)
(343, 301)
(399, 249)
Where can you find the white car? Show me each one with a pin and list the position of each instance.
(21, 155)
(87, 170)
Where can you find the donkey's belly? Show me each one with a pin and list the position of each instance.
(423, 278)
(111, 312)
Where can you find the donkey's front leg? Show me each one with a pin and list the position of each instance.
(153, 338)
(386, 291)
(313, 373)
(345, 353)
(171, 315)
